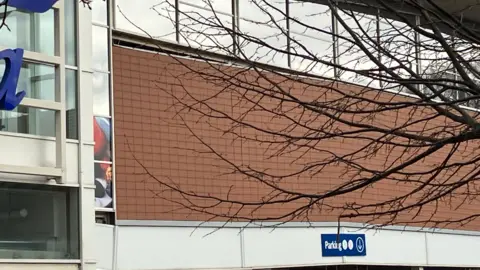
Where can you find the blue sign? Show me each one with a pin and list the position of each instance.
(37, 6)
(340, 245)
(9, 98)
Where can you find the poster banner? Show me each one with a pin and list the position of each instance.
(103, 162)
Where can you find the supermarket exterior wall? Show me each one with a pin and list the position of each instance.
(148, 135)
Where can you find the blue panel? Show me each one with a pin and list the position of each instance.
(9, 98)
(37, 6)
(339, 245)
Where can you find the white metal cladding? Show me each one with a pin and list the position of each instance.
(188, 245)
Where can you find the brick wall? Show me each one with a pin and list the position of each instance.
(154, 148)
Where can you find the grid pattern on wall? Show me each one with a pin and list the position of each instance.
(289, 31)
(102, 107)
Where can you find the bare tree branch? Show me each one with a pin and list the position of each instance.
(398, 146)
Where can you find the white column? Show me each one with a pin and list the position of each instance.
(86, 143)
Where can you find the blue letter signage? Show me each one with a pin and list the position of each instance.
(9, 99)
(339, 245)
(37, 6)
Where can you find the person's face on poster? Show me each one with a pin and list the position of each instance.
(108, 174)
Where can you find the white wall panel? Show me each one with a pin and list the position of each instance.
(391, 247)
(448, 249)
(38, 267)
(169, 248)
(285, 246)
(27, 151)
(90, 240)
(104, 250)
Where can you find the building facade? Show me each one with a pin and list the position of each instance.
(97, 106)
(47, 187)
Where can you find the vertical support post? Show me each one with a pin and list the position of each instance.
(287, 11)
(112, 105)
(336, 51)
(60, 116)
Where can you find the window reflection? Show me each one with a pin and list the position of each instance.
(351, 56)
(205, 29)
(37, 80)
(71, 32)
(398, 39)
(100, 48)
(101, 96)
(27, 120)
(30, 31)
(219, 6)
(307, 42)
(38, 222)
(99, 12)
(263, 24)
(137, 17)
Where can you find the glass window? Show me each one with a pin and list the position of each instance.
(137, 17)
(306, 42)
(220, 6)
(435, 63)
(71, 104)
(99, 12)
(71, 32)
(100, 46)
(203, 28)
(101, 94)
(103, 185)
(470, 53)
(38, 222)
(352, 56)
(28, 121)
(102, 135)
(433, 58)
(30, 31)
(37, 80)
(398, 39)
(263, 32)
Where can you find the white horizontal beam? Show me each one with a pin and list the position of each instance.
(42, 104)
(30, 56)
(30, 170)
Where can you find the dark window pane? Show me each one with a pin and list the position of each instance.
(38, 222)
(71, 106)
